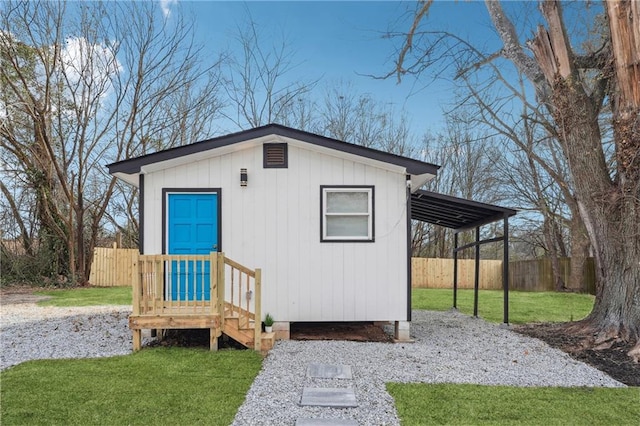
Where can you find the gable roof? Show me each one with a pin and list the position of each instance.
(133, 166)
(453, 212)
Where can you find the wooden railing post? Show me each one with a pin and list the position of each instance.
(137, 288)
(257, 329)
(158, 273)
(134, 273)
(135, 300)
(220, 287)
(213, 282)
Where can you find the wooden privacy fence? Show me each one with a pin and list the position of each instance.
(537, 275)
(438, 273)
(117, 267)
(113, 266)
(524, 275)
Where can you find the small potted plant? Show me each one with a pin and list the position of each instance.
(268, 323)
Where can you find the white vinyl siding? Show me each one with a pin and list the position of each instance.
(274, 222)
(347, 214)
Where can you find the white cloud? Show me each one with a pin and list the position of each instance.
(90, 65)
(166, 6)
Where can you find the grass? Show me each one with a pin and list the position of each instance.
(194, 386)
(524, 307)
(151, 387)
(424, 404)
(87, 296)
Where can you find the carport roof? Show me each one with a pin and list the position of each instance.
(453, 212)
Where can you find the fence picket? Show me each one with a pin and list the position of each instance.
(524, 275)
(113, 267)
(119, 267)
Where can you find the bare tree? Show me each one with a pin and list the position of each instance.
(255, 82)
(608, 200)
(535, 169)
(82, 86)
(534, 190)
(467, 159)
(358, 118)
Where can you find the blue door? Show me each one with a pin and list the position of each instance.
(192, 229)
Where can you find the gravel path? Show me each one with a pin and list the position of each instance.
(449, 347)
(30, 332)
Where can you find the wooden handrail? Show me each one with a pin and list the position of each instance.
(170, 284)
(239, 267)
(241, 287)
(257, 336)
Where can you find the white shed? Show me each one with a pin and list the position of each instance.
(326, 221)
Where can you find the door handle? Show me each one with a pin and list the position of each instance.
(215, 247)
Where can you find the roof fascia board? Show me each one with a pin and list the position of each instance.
(206, 154)
(411, 165)
(344, 155)
(273, 138)
(133, 166)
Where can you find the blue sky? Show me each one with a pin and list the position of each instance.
(342, 41)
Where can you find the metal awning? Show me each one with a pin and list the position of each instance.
(453, 212)
(461, 215)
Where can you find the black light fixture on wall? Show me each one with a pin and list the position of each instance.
(243, 177)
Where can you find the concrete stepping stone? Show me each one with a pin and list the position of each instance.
(329, 371)
(329, 397)
(326, 422)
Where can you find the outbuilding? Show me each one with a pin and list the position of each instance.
(327, 222)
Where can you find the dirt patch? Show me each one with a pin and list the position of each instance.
(358, 332)
(354, 331)
(19, 294)
(614, 361)
(193, 338)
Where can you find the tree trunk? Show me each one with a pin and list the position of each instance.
(610, 209)
(624, 19)
(552, 250)
(579, 253)
(612, 219)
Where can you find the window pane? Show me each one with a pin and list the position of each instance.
(347, 202)
(347, 226)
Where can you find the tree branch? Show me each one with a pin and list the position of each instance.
(400, 71)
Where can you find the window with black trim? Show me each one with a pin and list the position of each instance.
(347, 213)
(274, 156)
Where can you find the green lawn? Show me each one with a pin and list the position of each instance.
(87, 296)
(428, 404)
(524, 307)
(424, 404)
(160, 386)
(194, 386)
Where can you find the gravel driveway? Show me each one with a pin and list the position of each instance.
(449, 347)
(28, 331)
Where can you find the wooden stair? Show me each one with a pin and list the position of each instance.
(244, 333)
(154, 309)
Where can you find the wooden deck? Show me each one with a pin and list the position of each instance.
(198, 291)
